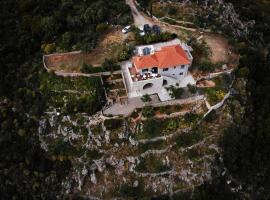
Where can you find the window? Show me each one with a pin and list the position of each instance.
(144, 70)
(181, 74)
(154, 70)
(182, 66)
(146, 51)
(165, 69)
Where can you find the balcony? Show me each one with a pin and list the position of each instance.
(135, 76)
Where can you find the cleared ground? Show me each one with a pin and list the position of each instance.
(219, 46)
(108, 47)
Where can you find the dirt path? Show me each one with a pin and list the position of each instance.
(139, 18)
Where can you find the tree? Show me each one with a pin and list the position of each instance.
(48, 48)
(148, 111)
(175, 92)
(192, 88)
(146, 98)
(110, 65)
(102, 27)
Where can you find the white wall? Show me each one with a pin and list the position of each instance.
(157, 85)
(175, 72)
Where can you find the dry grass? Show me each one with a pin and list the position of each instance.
(108, 47)
(219, 47)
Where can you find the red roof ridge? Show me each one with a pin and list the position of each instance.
(168, 56)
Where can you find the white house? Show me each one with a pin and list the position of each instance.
(157, 66)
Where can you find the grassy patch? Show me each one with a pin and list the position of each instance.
(97, 130)
(113, 124)
(192, 154)
(152, 164)
(72, 95)
(128, 191)
(223, 82)
(152, 145)
(148, 111)
(191, 117)
(157, 127)
(93, 154)
(214, 95)
(217, 93)
(188, 139)
(62, 148)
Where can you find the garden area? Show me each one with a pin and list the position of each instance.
(115, 87)
(72, 95)
(155, 127)
(220, 87)
(160, 112)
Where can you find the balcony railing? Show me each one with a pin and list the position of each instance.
(142, 76)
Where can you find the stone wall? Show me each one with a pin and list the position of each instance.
(156, 85)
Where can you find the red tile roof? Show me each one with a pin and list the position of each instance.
(169, 56)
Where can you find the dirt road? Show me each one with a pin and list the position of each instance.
(139, 18)
(218, 44)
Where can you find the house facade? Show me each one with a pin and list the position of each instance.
(157, 66)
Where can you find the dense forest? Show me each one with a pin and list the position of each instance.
(245, 144)
(29, 28)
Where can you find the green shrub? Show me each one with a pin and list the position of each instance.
(162, 109)
(214, 95)
(192, 88)
(190, 117)
(102, 27)
(48, 48)
(123, 55)
(148, 111)
(146, 98)
(206, 66)
(89, 69)
(192, 154)
(152, 145)
(188, 139)
(110, 65)
(151, 164)
(172, 10)
(113, 124)
(211, 116)
(135, 113)
(134, 192)
(175, 92)
(243, 72)
(153, 38)
(152, 128)
(172, 125)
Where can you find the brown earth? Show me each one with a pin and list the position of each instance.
(108, 47)
(219, 46)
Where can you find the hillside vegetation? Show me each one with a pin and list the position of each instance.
(50, 148)
(29, 28)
